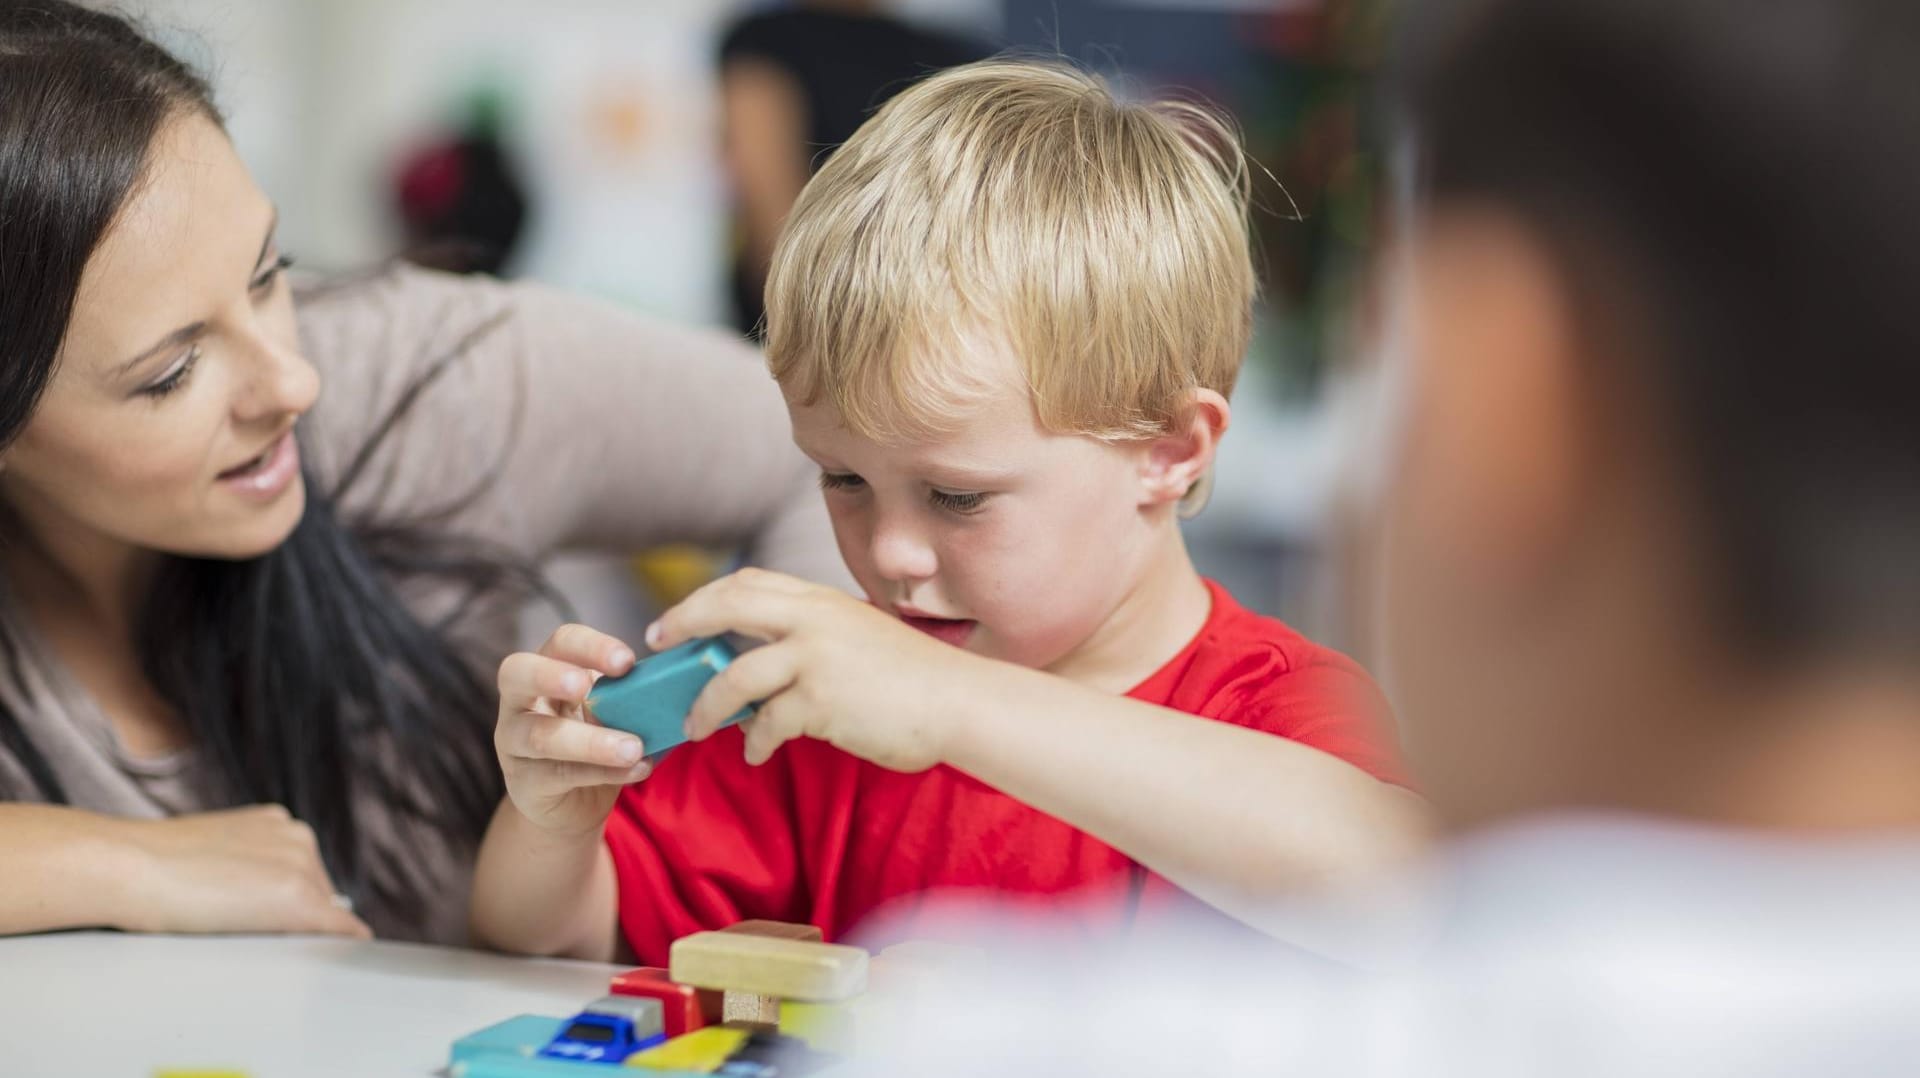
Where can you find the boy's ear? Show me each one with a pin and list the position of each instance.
(1178, 459)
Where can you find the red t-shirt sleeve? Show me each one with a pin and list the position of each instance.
(1326, 701)
(704, 842)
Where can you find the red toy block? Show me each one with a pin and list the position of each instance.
(686, 1008)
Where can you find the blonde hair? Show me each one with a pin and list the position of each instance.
(1023, 205)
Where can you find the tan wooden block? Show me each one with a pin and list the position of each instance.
(781, 930)
(748, 1008)
(762, 965)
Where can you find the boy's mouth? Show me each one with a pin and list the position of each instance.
(955, 631)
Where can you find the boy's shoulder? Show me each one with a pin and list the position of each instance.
(1256, 671)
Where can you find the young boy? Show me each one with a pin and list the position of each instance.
(1006, 317)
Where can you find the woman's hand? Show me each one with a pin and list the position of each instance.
(834, 668)
(563, 770)
(251, 869)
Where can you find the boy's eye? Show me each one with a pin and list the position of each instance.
(841, 481)
(958, 503)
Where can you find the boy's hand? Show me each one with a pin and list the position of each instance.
(834, 668)
(563, 770)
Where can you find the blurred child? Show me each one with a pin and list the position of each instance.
(1007, 316)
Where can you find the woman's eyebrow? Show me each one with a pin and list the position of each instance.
(172, 340)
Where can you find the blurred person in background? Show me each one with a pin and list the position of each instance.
(794, 84)
(1651, 546)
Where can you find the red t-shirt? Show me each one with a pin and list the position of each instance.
(818, 836)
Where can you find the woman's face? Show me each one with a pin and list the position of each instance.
(168, 422)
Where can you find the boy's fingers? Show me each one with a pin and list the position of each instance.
(562, 777)
(551, 737)
(773, 726)
(526, 676)
(749, 679)
(736, 604)
(588, 647)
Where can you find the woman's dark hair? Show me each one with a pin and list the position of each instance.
(1734, 185)
(302, 676)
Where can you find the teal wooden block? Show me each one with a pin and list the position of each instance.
(514, 1066)
(511, 1066)
(511, 1049)
(651, 701)
(523, 1035)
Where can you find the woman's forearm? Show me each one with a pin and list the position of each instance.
(65, 868)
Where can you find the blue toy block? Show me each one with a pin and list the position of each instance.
(521, 1036)
(651, 701)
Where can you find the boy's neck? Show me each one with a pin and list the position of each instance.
(1159, 616)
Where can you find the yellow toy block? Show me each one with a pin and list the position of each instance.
(701, 1052)
(761, 965)
(826, 1027)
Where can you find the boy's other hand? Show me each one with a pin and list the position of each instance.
(564, 770)
(833, 668)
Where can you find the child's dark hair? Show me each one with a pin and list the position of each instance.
(1732, 189)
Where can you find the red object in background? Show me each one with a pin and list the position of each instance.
(685, 1007)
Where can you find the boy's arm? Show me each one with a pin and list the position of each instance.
(538, 892)
(1234, 816)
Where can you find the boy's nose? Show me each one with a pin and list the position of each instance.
(902, 553)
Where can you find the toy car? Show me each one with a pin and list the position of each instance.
(609, 1031)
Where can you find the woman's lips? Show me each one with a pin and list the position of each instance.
(274, 471)
(955, 631)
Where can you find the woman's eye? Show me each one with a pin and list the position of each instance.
(840, 481)
(271, 275)
(174, 378)
(958, 503)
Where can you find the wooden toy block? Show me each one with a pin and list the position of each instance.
(505, 1066)
(684, 1007)
(782, 930)
(701, 1052)
(751, 1008)
(524, 1035)
(826, 1027)
(651, 701)
(761, 965)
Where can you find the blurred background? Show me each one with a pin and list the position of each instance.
(643, 150)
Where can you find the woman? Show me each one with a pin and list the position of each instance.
(247, 626)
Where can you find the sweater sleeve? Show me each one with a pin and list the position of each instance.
(547, 422)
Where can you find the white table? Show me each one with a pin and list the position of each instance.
(104, 1005)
